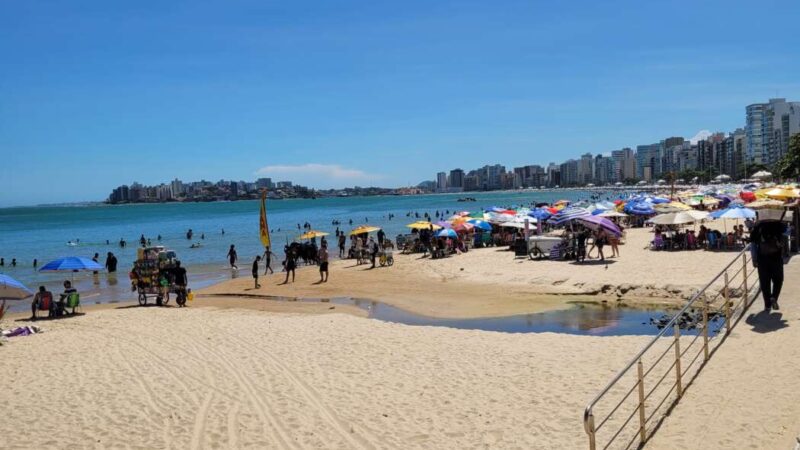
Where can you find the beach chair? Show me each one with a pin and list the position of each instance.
(658, 243)
(74, 301)
(46, 303)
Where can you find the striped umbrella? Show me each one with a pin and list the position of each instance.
(568, 214)
(446, 232)
(597, 222)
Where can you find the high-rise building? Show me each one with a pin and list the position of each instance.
(603, 170)
(264, 183)
(456, 179)
(569, 173)
(553, 175)
(586, 169)
(177, 187)
(624, 164)
(648, 161)
(768, 129)
(441, 182)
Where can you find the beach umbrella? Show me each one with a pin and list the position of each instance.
(758, 204)
(761, 174)
(71, 264)
(482, 224)
(679, 218)
(612, 214)
(463, 226)
(518, 225)
(11, 289)
(568, 214)
(597, 223)
(734, 213)
(446, 233)
(639, 208)
(312, 234)
(783, 193)
(540, 214)
(423, 225)
(364, 229)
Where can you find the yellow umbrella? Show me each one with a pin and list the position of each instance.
(313, 234)
(423, 225)
(364, 229)
(783, 193)
(758, 204)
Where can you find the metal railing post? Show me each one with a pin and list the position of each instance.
(678, 382)
(705, 330)
(591, 431)
(642, 429)
(726, 295)
(744, 274)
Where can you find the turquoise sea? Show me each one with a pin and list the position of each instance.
(43, 232)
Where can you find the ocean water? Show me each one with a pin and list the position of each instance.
(43, 232)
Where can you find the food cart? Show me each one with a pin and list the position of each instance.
(544, 246)
(152, 276)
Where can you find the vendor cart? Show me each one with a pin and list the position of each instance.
(543, 246)
(152, 276)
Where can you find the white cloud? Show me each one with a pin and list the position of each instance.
(318, 175)
(702, 134)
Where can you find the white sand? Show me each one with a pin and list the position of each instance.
(202, 378)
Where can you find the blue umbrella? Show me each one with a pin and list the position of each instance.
(11, 289)
(734, 213)
(446, 232)
(71, 264)
(482, 224)
(540, 214)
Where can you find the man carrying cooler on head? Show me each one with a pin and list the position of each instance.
(767, 251)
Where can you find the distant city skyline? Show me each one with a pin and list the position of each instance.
(350, 93)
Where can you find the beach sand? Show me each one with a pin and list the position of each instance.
(229, 378)
(491, 282)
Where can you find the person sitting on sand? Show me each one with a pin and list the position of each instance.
(42, 298)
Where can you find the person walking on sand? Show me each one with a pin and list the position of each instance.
(268, 261)
(600, 241)
(255, 271)
(373, 251)
(767, 253)
(322, 257)
(233, 257)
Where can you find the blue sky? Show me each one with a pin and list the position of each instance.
(94, 94)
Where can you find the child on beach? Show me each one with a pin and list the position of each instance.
(232, 257)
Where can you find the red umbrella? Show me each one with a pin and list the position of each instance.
(747, 196)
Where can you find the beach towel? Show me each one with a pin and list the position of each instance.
(21, 331)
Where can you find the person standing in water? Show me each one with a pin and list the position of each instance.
(111, 263)
(233, 257)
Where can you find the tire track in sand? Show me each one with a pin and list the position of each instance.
(277, 432)
(313, 398)
(199, 428)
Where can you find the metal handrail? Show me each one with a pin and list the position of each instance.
(699, 296)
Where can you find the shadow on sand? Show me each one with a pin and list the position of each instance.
(765, 322)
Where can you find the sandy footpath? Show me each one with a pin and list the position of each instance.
(228, 378)
(492, 282)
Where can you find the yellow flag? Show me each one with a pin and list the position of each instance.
(263, 227)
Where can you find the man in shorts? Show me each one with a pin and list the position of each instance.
(322, 256)
(255, 271)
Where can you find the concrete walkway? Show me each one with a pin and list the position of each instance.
(748, 396)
